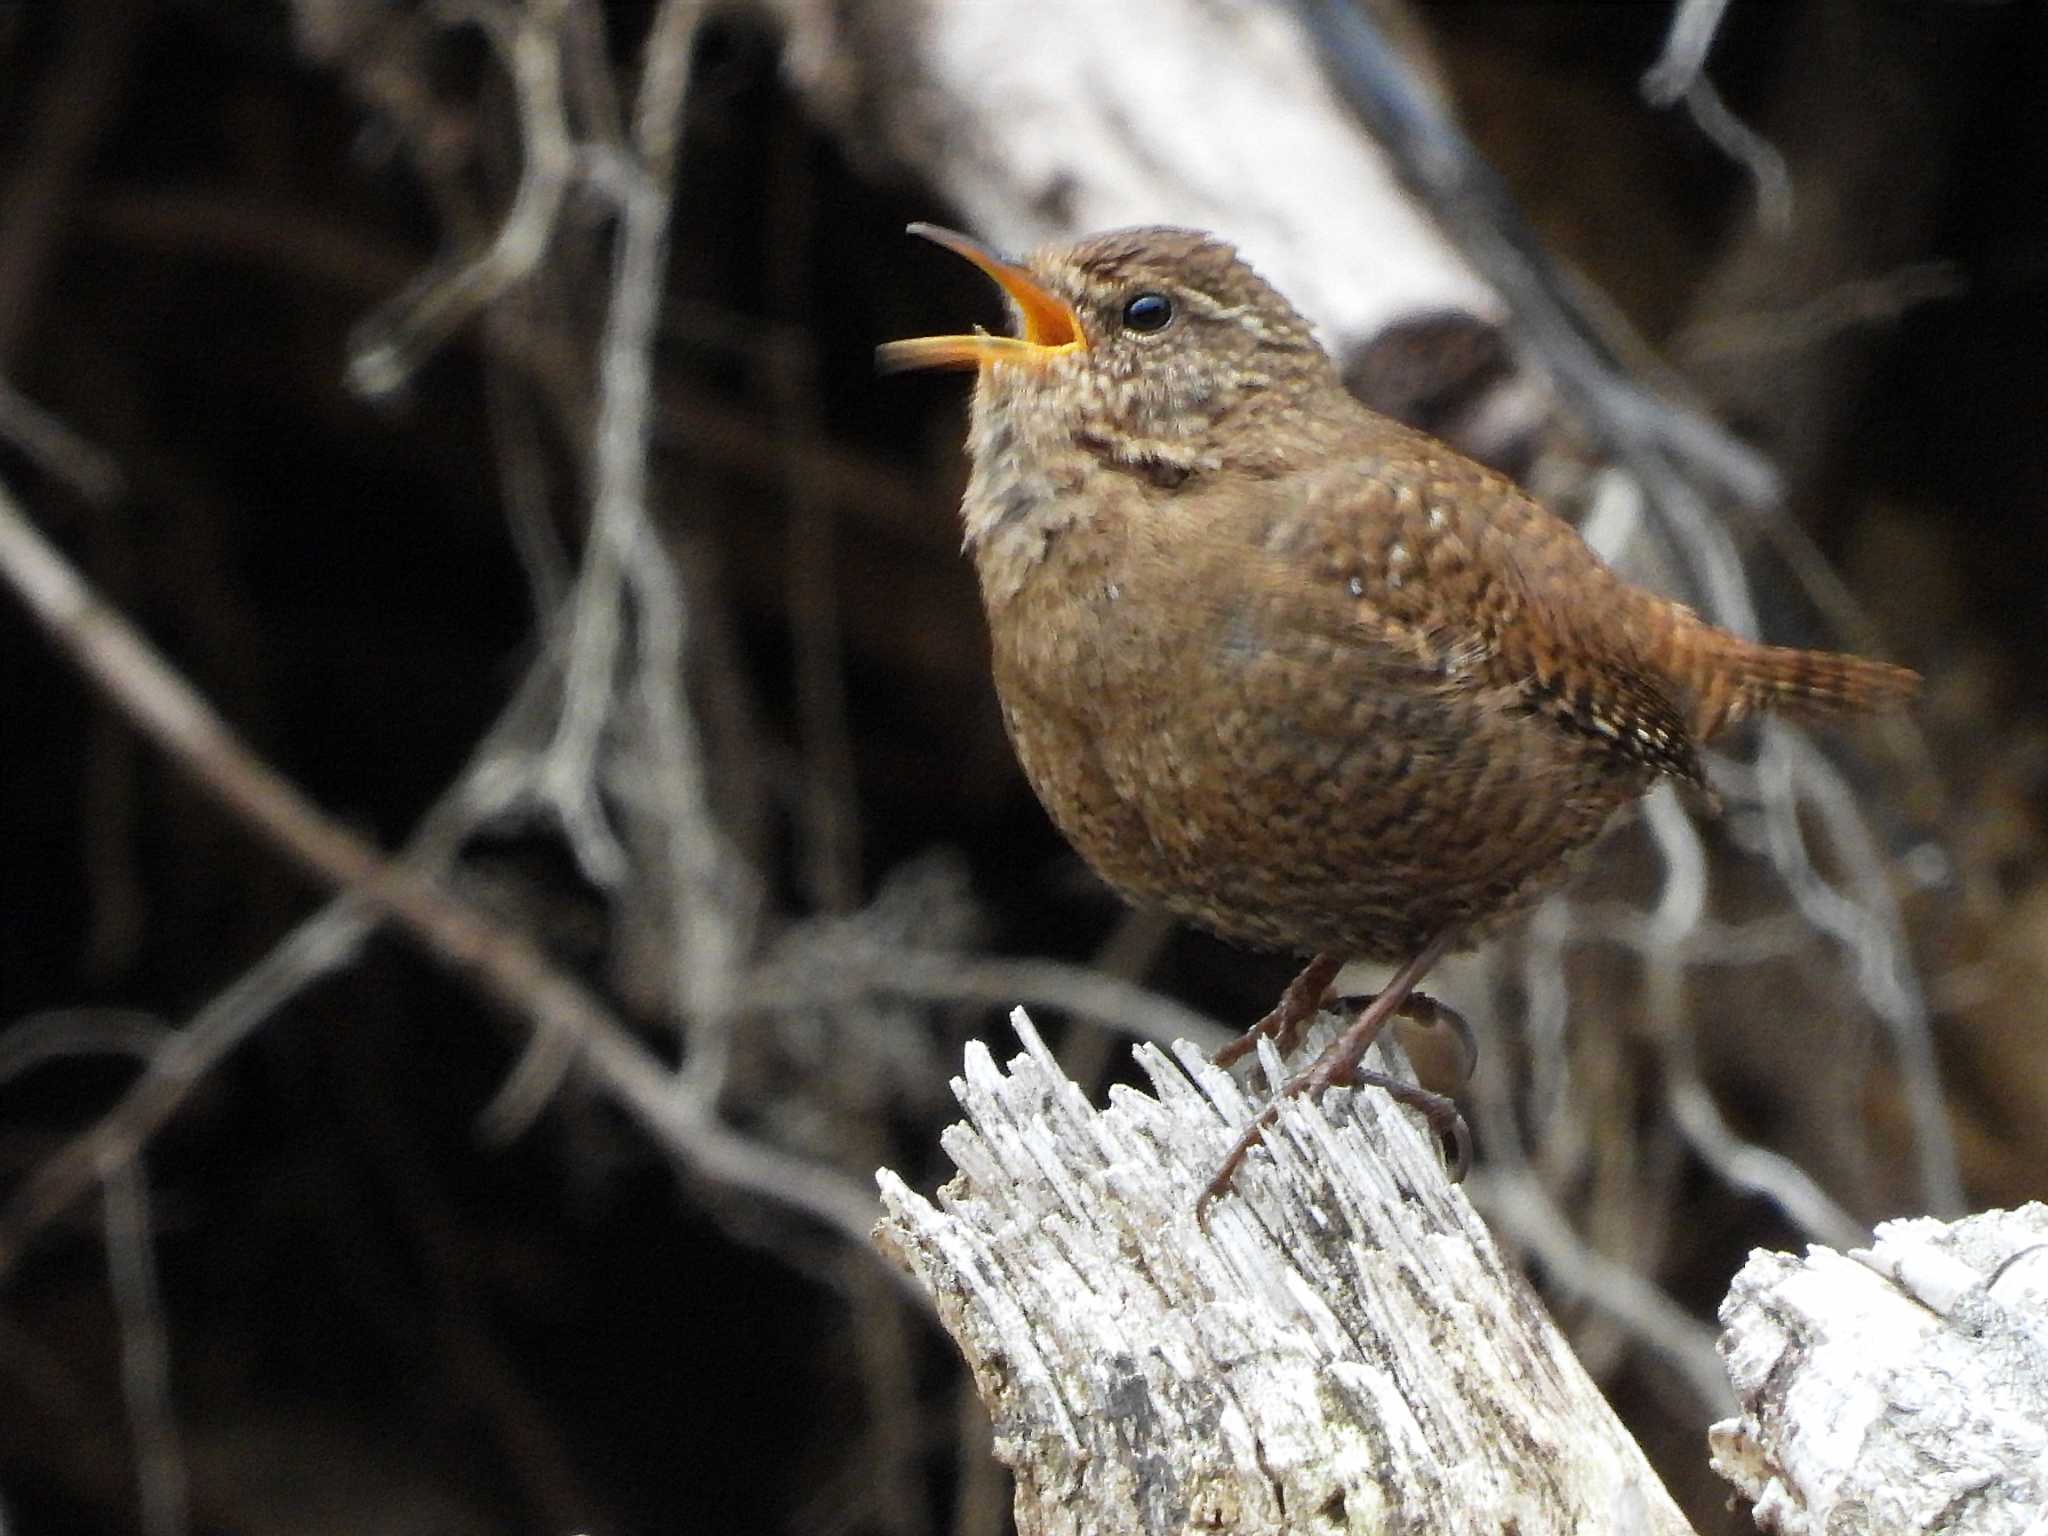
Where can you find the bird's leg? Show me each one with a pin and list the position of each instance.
(1297, 1005)
(1339, 1063)
(1440, 1110)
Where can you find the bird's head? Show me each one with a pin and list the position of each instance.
(1155, 348)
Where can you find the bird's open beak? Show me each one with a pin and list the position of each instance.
(1050, 326)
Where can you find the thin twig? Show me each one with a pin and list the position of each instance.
(589, 87)
(505, 965)
(79, 101)
(523, 483)
(49, 443)
(336, 256)
(1743, 1165)
(145, 1350)
(828, 819)
(1796, 777)
(1680, 75)
(1756, 155)
(712, 902)
(1859, 302)
(62, 1033)
(1694, 24)
(391, 344)
(1679, 915)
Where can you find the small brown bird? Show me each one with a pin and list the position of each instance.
(1299, 674)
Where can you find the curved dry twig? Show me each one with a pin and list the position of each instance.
(1694, 25)
(507, 966)
(392, 342)
(145, 1350)
(1679, 75)
(83, 465)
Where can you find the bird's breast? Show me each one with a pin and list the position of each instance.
(1233, 750)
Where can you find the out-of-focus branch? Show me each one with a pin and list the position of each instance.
(1861, 914)
(86, 467)
(131, 1258)
(624, 729)
(1511, 1190)
(75, 106)
(1694, 24)
(505, 965)
(711, 903)
(691, 419)
(1680, 75)
(145, 1349)
(1757, 155)
(1228, 125)
(397, 338)
(1872, 185)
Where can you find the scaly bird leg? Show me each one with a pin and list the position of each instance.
(1339, 1064)
(1297, 1005)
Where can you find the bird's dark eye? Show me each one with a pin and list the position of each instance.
(1148, 312)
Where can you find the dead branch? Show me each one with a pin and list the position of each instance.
(394, 341)
(505, 965)
(73, 111)
(1680, 75)
(1899, 1390)
(1342, 1347)
(145, 1349)
(86, 467)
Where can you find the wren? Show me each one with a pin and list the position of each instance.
(1301, 675)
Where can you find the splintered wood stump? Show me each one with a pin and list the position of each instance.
(1343, 1349)
(1897, 1389)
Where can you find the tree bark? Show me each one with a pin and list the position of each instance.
(1341, 1349)
(1897, 1389)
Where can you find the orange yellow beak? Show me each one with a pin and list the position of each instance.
(1050, 326)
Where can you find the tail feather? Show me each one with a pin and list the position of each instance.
(1803, 685)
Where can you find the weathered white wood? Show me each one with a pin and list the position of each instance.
(1342, 1350)
(1044, 121)
(1897, 1389)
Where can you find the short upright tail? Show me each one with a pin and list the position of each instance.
(1740, 678)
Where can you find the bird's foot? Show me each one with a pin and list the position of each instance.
(1446, 1121)
(1341, 1063)
(1297, 1005)
(1338, 1067)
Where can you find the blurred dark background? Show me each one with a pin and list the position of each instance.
(378, 1317)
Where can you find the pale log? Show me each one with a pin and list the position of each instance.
(1898, 1390)
(1343, 1348)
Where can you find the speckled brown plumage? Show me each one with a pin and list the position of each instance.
(1299, 674)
